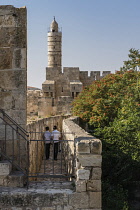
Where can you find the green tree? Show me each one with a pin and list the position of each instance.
(111, 107)
(133, 62)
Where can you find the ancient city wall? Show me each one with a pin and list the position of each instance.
(13, 62)
(13, 76)
(87, 168)
(86, 158)
(94, 75)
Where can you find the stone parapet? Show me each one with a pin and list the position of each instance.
(86, 158)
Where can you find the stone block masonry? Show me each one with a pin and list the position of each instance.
(86, 195)
(13, 69)
(36, 149)
(86, 158)
(13, 62)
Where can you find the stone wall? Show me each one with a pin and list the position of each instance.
(86, 155)
(59, 90)
(13, 62)
(39, 106)
(36, 130)
(86, 158)
(94, 75)
(13, 75)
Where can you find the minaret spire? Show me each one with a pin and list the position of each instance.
(54, 45)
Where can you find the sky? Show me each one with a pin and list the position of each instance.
(96, 34)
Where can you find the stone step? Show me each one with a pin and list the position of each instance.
(14, 179)
(5, 168)
(60, 185)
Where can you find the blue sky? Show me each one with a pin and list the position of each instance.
(96, 34)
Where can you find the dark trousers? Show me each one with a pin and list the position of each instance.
(55, 151)
(47, 150)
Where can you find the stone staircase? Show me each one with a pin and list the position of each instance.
(12, 160)
(8, 178)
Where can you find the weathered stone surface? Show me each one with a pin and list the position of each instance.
(13, 37)
(5, 58)
(83, 174)
(83, 147)
(68, 207)
(5, 168)
(96, 173)
(94, 185)
(90, 160)
(12, 81)
(7, 21)
(13, 69)
(79, 200)
(59, 198)
(95, 200)
(14, 180)
(6, 9)
(81, 186)
(96, 147)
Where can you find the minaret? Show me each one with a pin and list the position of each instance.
(54, 45)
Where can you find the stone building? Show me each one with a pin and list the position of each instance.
(60, 87)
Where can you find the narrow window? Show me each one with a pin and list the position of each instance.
(52, 101)
(47, 94)
(72, 94)
(62, 89)
(77, 94)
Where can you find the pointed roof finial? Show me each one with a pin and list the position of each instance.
(54, 18)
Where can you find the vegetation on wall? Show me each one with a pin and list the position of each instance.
(111, 106)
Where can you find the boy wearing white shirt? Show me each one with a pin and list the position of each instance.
(47, 137)
(56, 137)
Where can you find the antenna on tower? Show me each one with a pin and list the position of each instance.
(54, 18)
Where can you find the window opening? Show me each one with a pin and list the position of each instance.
(52, 101)
(77, 94)
(72, 94)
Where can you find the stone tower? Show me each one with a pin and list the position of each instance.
(54, 46)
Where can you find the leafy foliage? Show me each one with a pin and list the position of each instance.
(133, 62)
(99, 103)
(111, 106)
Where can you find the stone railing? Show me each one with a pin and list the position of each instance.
(36, 148)
(86, 158)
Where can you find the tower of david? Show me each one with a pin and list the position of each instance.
(61, 85)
